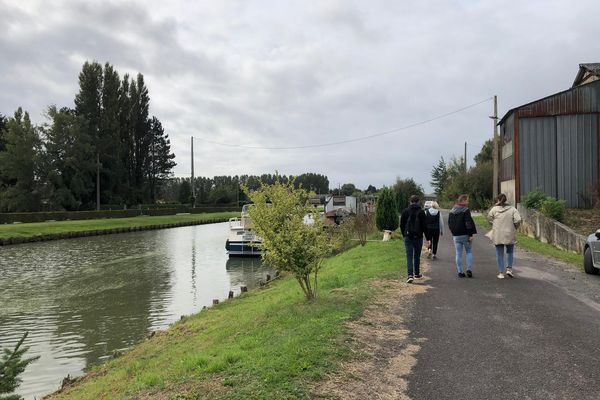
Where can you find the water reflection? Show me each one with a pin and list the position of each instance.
(82, 299)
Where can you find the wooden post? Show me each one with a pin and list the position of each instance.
(230, 294)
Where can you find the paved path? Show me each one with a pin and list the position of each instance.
(533, 337)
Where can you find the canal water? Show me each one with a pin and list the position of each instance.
(83, 299)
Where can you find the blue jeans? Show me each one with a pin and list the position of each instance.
(510, 249)
(413, 255)
(461, 242)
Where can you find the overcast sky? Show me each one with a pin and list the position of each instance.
(294, 73)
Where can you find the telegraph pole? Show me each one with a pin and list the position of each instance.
(192, 182)
(465, 157)
(97, 181)
(496, 149)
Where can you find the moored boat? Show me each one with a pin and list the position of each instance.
(243, 241)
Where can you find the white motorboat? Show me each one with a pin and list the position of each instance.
(243, 240)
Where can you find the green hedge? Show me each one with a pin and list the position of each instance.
(9, 218)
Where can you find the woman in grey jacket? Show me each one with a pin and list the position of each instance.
(505, 219)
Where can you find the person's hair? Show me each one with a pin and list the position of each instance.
(463, 198)
(414, 199)
(435, 205)
(501, 200)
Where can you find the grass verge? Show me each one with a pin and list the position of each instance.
(267, 344)
(532, 244)
(54, 227)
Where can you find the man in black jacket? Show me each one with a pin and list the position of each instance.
(463, 228)
(412, 225)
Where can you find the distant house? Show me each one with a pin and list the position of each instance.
(348, 204)
(553, 144)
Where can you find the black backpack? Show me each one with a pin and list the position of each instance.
(414, 229)
(432, 221)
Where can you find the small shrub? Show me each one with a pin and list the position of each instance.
(386, 214)
(553, 208)
(12, 365)
(534, 199)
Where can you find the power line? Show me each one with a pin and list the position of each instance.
(349, 140)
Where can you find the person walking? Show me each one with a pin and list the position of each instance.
(504, 219)
(463, 228)
(412, 226)
(434, 224)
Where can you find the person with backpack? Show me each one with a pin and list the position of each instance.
(463, 228)
(505, 219)
(434, 224)
(412, 226)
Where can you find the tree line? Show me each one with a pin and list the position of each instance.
(451, 179)
(106, 146)
(230, 189)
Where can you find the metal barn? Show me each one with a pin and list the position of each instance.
(553, 144)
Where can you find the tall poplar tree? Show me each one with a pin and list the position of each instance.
(160, 161)
(109, 136)
(88, 105)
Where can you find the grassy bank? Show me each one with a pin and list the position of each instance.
(532, 244)
(51, 228)
(269, 343)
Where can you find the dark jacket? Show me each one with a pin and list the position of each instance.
(460, 221)
(415, 211)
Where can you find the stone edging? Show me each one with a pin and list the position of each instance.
(100, 232)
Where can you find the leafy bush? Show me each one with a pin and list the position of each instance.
(553, 208)
(386, 215)
(290, 244)
(534, 199)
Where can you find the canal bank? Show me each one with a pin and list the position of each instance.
(56, 230)
(85, 299)
(269, 343)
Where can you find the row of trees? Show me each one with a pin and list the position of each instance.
(450, 179)
(106, 146)
(227, 189)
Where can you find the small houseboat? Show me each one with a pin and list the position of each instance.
(243, 241)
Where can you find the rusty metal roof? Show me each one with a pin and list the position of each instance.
(585, 70)
(576, 100)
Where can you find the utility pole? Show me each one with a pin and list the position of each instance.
(465, 157)
(97, 181)
(192, 182)
(496, 157)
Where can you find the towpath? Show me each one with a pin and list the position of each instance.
(536, 336)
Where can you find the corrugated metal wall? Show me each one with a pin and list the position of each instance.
(537, 155)
(559, 155)
(577, 158)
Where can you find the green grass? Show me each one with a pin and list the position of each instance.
(49, 228)
(532, 244)
(270, 343)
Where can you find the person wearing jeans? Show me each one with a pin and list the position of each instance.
(510, 248)
(463, 228)
(413, 257)
(504, 219)
(412, 226)
(463, 242)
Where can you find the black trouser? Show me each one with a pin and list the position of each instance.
(433, 236)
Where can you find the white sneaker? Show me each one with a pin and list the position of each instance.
(500, 275)
(509, 272)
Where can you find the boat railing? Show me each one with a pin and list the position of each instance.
(235, 223)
